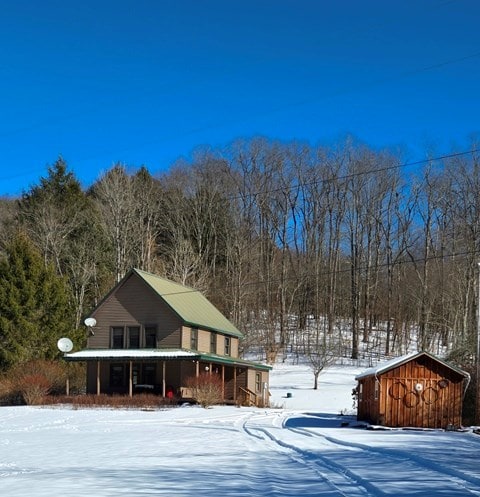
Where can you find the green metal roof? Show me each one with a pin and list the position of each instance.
(232, 361)
(189, 304)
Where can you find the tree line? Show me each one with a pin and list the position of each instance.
(295, 244)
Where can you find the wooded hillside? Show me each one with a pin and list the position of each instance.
(291, 242)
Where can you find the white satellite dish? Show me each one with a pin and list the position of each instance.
(90, 322)
(65, 345)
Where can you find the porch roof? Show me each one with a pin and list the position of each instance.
(159, 354)
(128, 354)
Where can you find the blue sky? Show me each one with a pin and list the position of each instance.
(146, 82)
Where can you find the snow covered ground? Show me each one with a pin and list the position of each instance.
(303, 447)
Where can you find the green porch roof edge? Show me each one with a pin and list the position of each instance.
(232, 361)
(112, 355)
(190, 304)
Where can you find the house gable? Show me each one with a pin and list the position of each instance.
(189, 304)
(131, 304)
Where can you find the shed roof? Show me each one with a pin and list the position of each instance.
(398, 361)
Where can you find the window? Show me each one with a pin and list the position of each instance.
(133, 337)
(151, 337)
(377, 389)
(117, 375)
(194, 339)
(227, 346)
(213, 343)
(117, 337)
(258, 382)
(148, 376)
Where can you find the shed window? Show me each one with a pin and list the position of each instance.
(377, 389)
(360, 392)
(117, 337)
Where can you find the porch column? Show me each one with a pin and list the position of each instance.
(98, 377)
(164, 380)
(197, 369)
(223, 381)
(130, 379)
(235, 383)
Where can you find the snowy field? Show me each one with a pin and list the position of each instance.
(309, 445)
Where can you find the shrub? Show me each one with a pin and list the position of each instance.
(140, 401)
(206, 389)
(30, 382)
(34, 388)
(8, 395)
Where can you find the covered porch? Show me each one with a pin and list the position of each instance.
(165, 373)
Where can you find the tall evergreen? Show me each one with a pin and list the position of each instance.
(35, 309)
(61, 220)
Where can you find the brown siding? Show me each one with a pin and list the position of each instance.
(368, 406)
(234, 346)
(185, 337)
(400, 403)
(203, 341)
(135, 304)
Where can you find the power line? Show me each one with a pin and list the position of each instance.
(353, 175)
(341, 271)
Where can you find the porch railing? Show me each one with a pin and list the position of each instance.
(247, 397)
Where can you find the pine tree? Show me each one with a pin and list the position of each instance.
(34, 306)
(62, 222)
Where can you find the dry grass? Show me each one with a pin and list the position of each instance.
(140, 401)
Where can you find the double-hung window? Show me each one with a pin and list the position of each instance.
(194, 339)
(117, 337)
(150, 337)
(213, 343)
(228, 346)
(134, 337)
(258, 382)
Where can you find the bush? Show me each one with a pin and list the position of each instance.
(206, 389)
(34, 388)
(32, 381)
(143, 401)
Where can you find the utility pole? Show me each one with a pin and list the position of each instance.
(477, 358)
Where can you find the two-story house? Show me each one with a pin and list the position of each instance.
(151, 334)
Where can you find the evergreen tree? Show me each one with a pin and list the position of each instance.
(35, 309)
(62, 222)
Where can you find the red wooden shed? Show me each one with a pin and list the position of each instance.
(416, 390)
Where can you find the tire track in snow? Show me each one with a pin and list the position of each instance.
(413, 464)
(338, 478)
